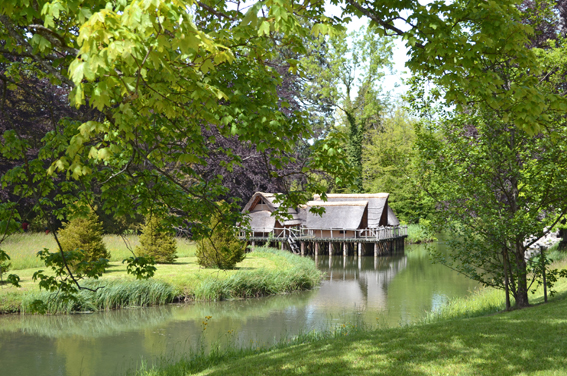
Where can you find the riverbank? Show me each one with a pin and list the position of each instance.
(264, 272)
(468, 336)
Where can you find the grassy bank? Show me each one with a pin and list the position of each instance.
(264, 272)
(418, 234)
(23, 248)
(529, 341)
(468, 336)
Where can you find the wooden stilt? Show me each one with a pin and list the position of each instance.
(345, 249)
(330, 249)
(302, 248)
(281, 245)
(316, 249)
(359, 249)
(375, 251)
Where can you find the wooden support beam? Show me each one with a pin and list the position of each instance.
(359, 249)
(375, 250)
(345, 249)
(316, 249)
(302, 248)
(330, 249)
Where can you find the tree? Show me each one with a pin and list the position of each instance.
(352, 63)
(83, 234)
(390, 165)
(221, 249)
(156, 242)
(159, 79)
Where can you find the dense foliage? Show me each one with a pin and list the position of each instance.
(156, 242)
(221, 248)
(84, 234)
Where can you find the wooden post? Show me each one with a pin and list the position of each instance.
(375, 250)
(359, 249)
(302, 248)
(345, 249)
(330, 249)
(316, 249)
(253, 243)
(281, 245)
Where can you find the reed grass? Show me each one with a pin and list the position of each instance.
(281, 272)
(299, 274)
(23, 248)
(107, 295)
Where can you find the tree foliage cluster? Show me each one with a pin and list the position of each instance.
(496, 165)
(165, 92)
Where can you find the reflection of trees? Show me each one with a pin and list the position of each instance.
(88, 326)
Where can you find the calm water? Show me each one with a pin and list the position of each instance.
(387, 291)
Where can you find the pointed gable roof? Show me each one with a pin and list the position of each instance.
(376, 203)
(345, 215)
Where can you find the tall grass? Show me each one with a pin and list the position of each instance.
(480, 302)
(419, 234)
(293, 273)
(299, 274)
(23, 248)
(110, 295)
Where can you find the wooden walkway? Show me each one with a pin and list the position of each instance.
(377, 242)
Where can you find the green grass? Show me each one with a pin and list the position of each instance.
(468, 336)
(106, 295)
(418, 234)
(23, 248)
(528, 341)
(264, 272)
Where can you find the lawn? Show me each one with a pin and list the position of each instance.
(23, 248)
(529, 341)
(264, 272)
(458, 340)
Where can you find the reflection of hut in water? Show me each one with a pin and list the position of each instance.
(348, 221)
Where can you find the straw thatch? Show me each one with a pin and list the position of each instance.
(377, 216)
(338, 215)
(342, 211)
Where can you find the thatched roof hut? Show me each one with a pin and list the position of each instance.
(346, 212)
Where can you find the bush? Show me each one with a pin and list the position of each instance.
(221, 249)
(4, 264)
(156, 243)
(85, 235)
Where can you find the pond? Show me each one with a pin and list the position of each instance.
(386, 291)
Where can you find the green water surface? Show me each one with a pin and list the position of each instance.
(384, 291)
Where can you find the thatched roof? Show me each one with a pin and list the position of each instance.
(376, 203)
(392, 219)
(262, 221)
(342, 211)
(338, 215)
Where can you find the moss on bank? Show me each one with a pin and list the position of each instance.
(267, 272)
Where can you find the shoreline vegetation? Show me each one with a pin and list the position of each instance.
(265, 271)
(468, 336)
(418, 234)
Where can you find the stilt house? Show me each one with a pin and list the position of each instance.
(346, 216)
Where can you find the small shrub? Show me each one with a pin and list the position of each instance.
(84, 234)
(157, 243)
(222, 249)
(4, 264)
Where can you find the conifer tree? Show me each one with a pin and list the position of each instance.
(84, 234)
(221, 249)
(157, 243)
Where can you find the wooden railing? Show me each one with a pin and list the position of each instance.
(315, 233)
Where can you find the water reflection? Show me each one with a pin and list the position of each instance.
(394, 290)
